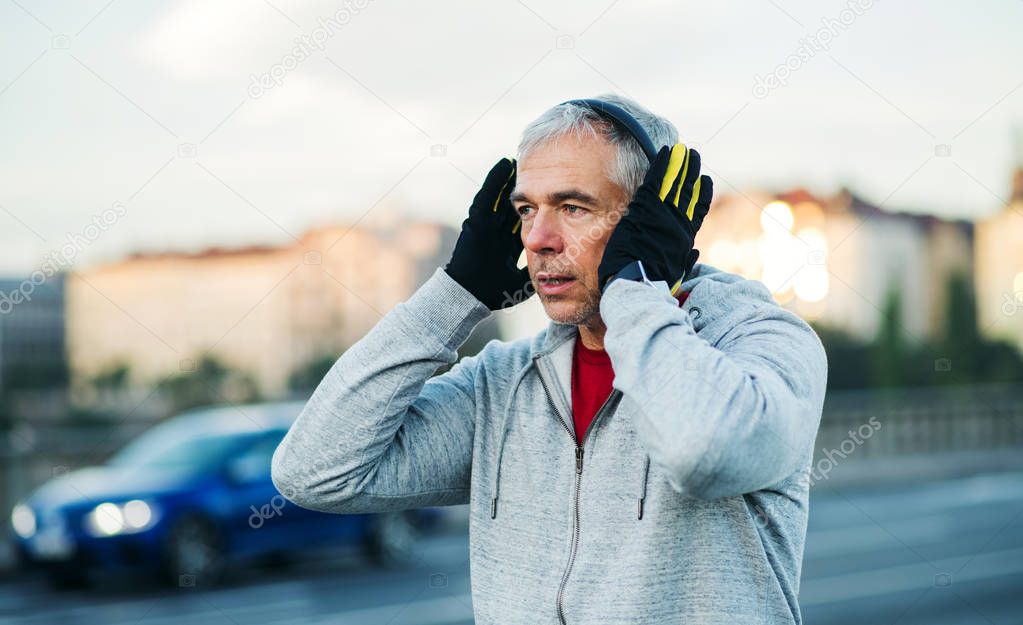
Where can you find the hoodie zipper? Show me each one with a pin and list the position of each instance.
(578, 480)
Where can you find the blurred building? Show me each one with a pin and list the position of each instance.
(263, 310)
(32, 338)
(835, 259)
(999, 276)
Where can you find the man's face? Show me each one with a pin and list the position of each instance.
(569, 207)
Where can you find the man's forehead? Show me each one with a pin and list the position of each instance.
(565, 171)
(582, 155)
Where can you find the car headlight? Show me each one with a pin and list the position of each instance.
(111, 519)
(23, 520)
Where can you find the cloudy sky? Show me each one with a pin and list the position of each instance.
(190, 123)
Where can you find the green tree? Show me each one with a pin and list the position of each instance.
(959, 343)
(970, 357)
(210, 382)
(114, 377)
(957, 354)
(848, 358)
(306, 378)
(888, 351)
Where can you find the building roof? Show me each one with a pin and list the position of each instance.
(846, 200)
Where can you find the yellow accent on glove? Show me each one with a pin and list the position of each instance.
(675, 289)
(692, 201)
(500, 196)
(678, 168)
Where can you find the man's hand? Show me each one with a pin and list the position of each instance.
(490, 244)
(659, 227)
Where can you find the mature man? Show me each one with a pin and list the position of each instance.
(645, 458)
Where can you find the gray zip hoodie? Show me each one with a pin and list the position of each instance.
(685, 501)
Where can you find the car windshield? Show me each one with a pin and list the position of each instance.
(171, 448)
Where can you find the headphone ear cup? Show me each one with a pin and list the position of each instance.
(621, 118)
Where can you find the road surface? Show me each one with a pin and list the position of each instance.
(946, 552)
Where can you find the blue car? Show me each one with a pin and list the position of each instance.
(188, 499)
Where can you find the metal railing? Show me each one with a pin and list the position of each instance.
(931, 420)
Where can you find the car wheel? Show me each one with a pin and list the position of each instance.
(391, 539)
(277, 560)
(67, 579)
(195, 553)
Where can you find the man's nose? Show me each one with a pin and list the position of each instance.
(544, 236)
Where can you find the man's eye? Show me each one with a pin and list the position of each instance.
(577, 210)
(521, 210)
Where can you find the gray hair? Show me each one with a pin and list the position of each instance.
(628, 170)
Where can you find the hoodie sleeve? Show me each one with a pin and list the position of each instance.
(723, 419)
(379, 433)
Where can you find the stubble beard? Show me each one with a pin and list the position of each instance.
(587, 313)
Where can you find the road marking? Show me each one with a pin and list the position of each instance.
(966, 492)
(863, 539)
(439, 611)
(876, 582)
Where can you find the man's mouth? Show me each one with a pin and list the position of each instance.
(552, 283)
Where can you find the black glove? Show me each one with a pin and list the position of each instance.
(490, 244)
(654, 229)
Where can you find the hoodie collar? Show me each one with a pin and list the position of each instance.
(557, 333)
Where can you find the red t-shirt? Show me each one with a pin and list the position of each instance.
(591, 384)
(592, 376)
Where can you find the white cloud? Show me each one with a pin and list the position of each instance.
(198, 39)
